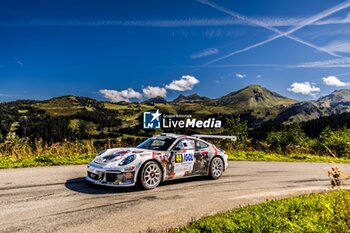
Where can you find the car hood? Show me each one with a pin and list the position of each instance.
(117, 154)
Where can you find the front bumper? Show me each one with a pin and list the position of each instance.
(96, 174)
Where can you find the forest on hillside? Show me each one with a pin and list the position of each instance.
(68, 129)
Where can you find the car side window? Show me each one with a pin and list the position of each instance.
(201, 145)
(185, 144)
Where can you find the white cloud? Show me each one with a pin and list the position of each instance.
(334, 81)
(259, 76)
(334, 20)
(338, 62)
(342, 46)
(342, 74)
(19, 62)
(124, 95)
(204, 53)
(238, 75)
(304, 88)
(186, 22)
(186, 83)
(189, 22)
(151, 92)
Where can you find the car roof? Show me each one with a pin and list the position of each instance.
(173, 135)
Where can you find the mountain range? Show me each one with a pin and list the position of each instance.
(267, 105)
(254, 103)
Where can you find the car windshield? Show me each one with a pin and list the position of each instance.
(161, 144)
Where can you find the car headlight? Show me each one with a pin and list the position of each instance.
(127, 160)
(98, 159)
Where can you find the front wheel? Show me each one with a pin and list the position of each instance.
(151, 175)
(216, 168)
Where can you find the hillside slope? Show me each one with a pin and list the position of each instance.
(73, 117)
(253, 97)
(337, 102)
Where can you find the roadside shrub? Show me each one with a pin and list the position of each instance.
(288, 140)
(22, 148)
(236, 127)
(299, 157)
(48, 159)
(334, 142)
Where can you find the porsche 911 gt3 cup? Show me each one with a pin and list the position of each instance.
(159, 158)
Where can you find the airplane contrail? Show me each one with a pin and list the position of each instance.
(280, 34)
(264, 25)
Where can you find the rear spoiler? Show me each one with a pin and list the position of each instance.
(232, 138)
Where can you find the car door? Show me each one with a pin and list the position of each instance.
(201, 158)
(183, 154)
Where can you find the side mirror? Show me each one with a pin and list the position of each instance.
(176, 148)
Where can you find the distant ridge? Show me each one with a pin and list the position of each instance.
(254, 96)
(155, 100)
(190, 98)
(257, 104)
(338, 102)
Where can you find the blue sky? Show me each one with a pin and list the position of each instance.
(133, 50)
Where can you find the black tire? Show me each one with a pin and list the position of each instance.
(150, 175)
(216, 168)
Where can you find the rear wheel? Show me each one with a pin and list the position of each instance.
(216, 168)
(150, 176)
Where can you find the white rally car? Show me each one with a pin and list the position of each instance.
(159, 158)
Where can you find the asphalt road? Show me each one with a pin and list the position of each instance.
(57, 199)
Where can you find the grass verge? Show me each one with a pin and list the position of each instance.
(264, 156)
(45, 160)
(325, 212)
(53, 160)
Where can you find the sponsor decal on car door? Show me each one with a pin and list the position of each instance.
(200, 162)
(183, 163)
(182, 158)
(201, 158)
